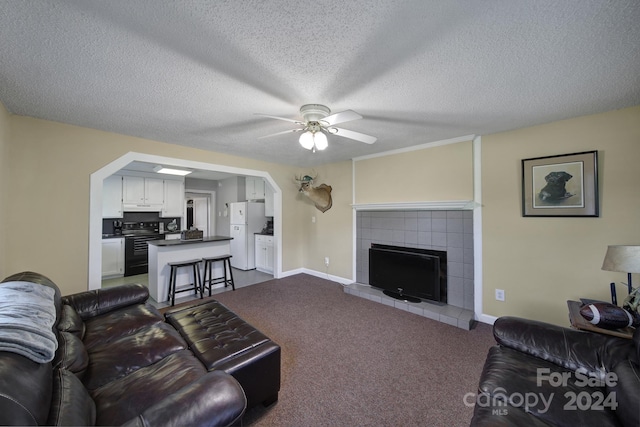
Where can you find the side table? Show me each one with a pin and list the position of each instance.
(579, 322)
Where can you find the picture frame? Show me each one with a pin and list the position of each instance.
(561, 185)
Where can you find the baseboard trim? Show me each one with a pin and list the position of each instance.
(486, 318)
(320, 274)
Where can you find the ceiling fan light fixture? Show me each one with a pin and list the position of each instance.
(306, 140)
(318, 122)
(320, 140)
(314, 112)
(314, 140)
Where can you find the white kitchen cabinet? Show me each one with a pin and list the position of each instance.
(154, 191)
(112, 197)
(113, 257)
(173, 205)
(254, 188)
(142, 194)
(133, 190)
(264, 253)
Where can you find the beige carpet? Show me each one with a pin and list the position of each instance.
(347, 361)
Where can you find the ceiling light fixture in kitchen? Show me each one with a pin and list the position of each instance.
(171, 171)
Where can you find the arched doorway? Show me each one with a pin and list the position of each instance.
(95, 204)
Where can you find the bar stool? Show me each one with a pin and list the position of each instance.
(226, 264)
(194, 264)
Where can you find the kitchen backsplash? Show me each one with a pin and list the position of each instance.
(107, 224)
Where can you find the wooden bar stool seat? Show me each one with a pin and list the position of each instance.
(196, 286)
(210, 281)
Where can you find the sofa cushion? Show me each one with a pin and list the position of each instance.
(512, 375)
(627, 392)
(71, 354)
(70, 321)
(214, 333)
(71, 404)
(120, 357)
(94, 303)
(124, 399)
(215, 399)
(109, 327)
(570, 348)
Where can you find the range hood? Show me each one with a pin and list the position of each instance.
(132, 207)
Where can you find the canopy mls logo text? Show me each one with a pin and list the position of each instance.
(540, 402)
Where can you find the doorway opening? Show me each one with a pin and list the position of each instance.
(96, 199)
(199, 212)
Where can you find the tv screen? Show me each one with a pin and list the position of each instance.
(405, 273)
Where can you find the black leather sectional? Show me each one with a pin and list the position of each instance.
(546, 375)
(120, 362)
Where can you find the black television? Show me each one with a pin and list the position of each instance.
(409, 274)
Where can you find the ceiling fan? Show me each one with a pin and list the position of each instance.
(317, 122)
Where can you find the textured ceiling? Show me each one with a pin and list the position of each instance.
(195, 72)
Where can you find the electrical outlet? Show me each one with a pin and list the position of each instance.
(500, 294)
(326, 261)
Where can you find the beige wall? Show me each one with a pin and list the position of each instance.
(441, 173)
(543, 262)
(4, 186)
(49, 175)
(331, 234)
(539, 262)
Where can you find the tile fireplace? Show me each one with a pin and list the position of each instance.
(443, 230)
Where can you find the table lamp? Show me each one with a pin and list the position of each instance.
(625, 259)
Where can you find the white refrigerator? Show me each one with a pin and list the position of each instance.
(247, 218)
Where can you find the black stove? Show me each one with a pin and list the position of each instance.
(140, 228)
(136, 249)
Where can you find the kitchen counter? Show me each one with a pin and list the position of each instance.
(178, 242)
(162, 252)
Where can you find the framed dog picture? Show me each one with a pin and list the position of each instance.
(562, 185)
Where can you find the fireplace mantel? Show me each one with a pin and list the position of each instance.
(447, 205)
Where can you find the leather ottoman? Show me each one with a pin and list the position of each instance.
(223, 341)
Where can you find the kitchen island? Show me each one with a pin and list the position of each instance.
(162, 252)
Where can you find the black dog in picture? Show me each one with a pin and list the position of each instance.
(555, 188)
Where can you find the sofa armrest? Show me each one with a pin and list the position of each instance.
(94, 303)
(25, 390)
(216, 399)
(570, 348)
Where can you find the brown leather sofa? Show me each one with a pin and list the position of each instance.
(117, 362)
(546, 375)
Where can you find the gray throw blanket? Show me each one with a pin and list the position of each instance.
(27, 315)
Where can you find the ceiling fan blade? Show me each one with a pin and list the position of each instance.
(341, 117)
(281, 133)
(280, 118)
(367, 139)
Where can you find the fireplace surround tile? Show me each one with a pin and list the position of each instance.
(445, 230)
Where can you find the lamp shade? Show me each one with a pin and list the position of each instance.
(306, 140)
(625, 259)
